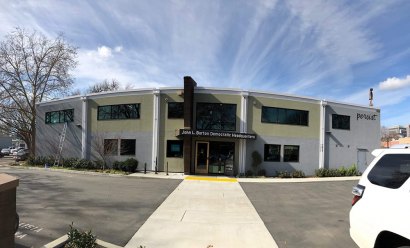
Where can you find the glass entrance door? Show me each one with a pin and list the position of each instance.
(202, 157)
(221, 157)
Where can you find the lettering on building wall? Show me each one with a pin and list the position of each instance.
(366, 117)
(216, 134)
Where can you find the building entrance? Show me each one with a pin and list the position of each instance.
(214, 157)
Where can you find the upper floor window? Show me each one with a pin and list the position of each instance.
(340, 122)
(216, 116)
(285, 116)
(175, 110)
(120, 111)
(61, 116)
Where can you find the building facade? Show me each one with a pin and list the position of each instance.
(199, 130)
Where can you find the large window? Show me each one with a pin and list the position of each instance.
(175, 110)
(127, 147)
(290, 153)
(60, 116)
(272, 153)
(175, 148)
(216, 116)
(340, 122)
(285, 116)
(111, 147)
(391, 171)
(121, 111)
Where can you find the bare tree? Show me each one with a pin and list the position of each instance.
(105, 148)
(32, 68)
(387, 136)
(105, 85)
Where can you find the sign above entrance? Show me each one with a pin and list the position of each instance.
(218, 134)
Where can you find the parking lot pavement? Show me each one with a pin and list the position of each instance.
(304, 214)
(114, 208)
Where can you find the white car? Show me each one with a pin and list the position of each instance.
(380, 213)
(6, 151)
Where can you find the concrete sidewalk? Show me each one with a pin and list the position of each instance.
(203, 213)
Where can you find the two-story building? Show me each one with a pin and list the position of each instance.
(199, 130)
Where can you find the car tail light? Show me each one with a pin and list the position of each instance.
(357, 191)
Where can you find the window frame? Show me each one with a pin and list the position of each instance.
(266, 148)
(119, 112)
(128, 152)
(283, 115)
(178, 116)
(115, 147)
(219, 114)
(339, 122)
(61, 116)
(286, 156)
(170, 154)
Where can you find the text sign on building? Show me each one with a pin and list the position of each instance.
(368, 117)
(218, 134)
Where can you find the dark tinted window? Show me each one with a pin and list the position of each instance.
(175, 110)
(290, 153)
(216, 116)
(272, 153)
(127, 147)
(110, 147)
(284, 116)
(60, 116)
(121, 111)
(175, 148)
(341, 122)
(391, 171)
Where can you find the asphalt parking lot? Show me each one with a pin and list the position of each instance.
(114, 208)
(304, 214)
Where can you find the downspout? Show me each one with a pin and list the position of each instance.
(322, 132)
(84, 127)
(243, 129)
(155, 128)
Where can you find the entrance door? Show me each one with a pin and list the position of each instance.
(361, 160)
(202, 157)
(221, 155)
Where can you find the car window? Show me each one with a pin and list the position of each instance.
(391, 171)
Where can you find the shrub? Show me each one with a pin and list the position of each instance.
(297, 174)
(129, 165)
(283, 174)
(293, 174)
(249, 173)
(262, 172)
(40, 160)
(78, 239)
(339, 172)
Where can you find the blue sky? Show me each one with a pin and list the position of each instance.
(334, 50)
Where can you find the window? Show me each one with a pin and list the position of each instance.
(111, 147)
(391, 171)
(175, 148)
(61, 116)
(272, 153)
(291, 154)
(285, 116)
(121, 111)
(340, 122)
(175, 110)
(127, 147)
(216, 116)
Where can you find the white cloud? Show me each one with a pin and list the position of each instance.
(395, 83)
(118, 49)
(104, 52)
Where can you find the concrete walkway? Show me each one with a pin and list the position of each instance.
(204, 212)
